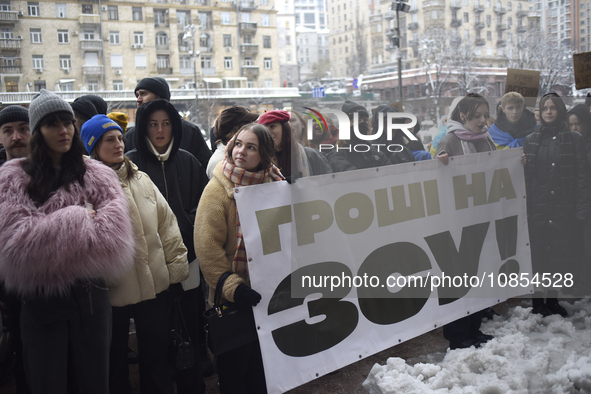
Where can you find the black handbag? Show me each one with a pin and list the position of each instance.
(183, 353)
(228, 326)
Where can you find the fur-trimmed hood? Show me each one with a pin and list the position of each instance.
(48, 248)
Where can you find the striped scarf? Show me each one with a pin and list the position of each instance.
(567, 162)
(241, 177)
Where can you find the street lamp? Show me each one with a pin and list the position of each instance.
(399, 6)
(190, 31)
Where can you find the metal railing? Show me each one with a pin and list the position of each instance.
(92, 70)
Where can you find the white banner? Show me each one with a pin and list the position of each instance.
(350, 264)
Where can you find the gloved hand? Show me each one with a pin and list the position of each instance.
(244, 295)
(176, 290)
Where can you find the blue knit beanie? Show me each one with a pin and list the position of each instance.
(93, 130)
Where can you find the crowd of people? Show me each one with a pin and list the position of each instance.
(100, 224)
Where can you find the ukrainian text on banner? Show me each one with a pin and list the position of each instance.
(352, 263)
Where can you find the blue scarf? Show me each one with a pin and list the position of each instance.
(504, 139)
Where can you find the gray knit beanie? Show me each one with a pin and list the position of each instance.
(44, 104)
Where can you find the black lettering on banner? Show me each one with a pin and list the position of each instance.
(301, 339)
(454, 262)
(377, 304)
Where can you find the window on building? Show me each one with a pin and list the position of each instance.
(206, 62)
(67, 86)
(265, 20)
(205, 20)
(226, 18)
(36, 36)
(61, 10)
(268, 83)
(93, 85)
(268, 63)
(114, 38)
(247, 39)
(38, 85)
(65, 62)
(138, 37)
(266, 41)
(7, 32)
(117, 84)
(244, 17)
(116, 60)
(88, 35)
(136, 13)
(248, 61)
(185, 62)
(205, 41)
(227, 38)
(162, 61)
(38, 63)
(288, 56)
(183, 17)
(509, 6)
(5, 6)
(161, 40)
(159, 17)
(466, 17)
(287, 40)
(228, 64)
(509, 22)
(33, 8)
(87, 9)
(112, 12)
(140, 60)
(488, 20)
(489, 35)
(63, 37)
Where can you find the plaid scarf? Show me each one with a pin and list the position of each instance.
(241, 177)
(567, 161)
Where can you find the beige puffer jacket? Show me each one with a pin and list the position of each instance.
(160, 255)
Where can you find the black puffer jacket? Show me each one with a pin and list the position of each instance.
(193, 141)
(179, 177)
(554, 202)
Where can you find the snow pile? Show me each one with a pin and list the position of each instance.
(529, 354)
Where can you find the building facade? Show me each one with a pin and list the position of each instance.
(286, 38)
(111, 45)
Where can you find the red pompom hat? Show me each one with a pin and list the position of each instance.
(276, 116)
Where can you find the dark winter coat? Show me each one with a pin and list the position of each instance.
(317, 162)
(179, 176)
(348, 161)
(193, 141)
(398, 156)
(554, 203)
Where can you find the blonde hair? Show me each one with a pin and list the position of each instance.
(512, 97)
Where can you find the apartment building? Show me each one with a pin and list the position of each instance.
(558, 17)
(581, 25)
(86, 45)
(311, 20)
(289, 74)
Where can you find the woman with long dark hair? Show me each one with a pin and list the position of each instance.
(220, 246)
(160, 260)
(64, 229)
(558, 190)
(293, 159)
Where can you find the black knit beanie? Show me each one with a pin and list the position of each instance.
(156, 85)
(84, 106)
(350, 107)
(100, 104)
(14, 113)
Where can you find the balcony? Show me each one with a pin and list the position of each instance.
(10, 43)
(390, 33)
(92, 70)
(521, 13)
(500, 10)
(501, 27)
(248, 27)
(89, 19)
(208, 71)
(478, 8)
(375, 18)
(501, 43)
(479, 25)
(534, 14)
(249, 49)
(10, 70)
(162, 23)
(184, 48)
(413, 43)
(456, 22)
(433, 3)
(413, 26)
(206, 49)
(250, 71)
(480, 42)
(247, 6)
(162, 47)
(389, 15)
(521, 29)
(8, 17)
(390, 48)
(456, 5)
(164, 70)
(91, 45)
(203, 3)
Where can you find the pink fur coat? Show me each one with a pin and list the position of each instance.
(47, 248)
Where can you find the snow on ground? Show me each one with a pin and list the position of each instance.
(529, 354)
